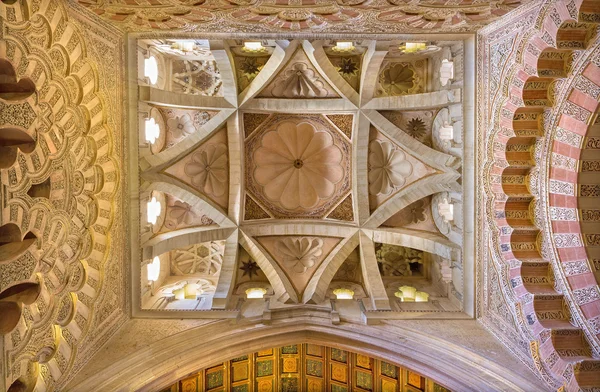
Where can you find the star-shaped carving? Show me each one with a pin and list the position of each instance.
(348, 67)
(250, 267)
(250, 67)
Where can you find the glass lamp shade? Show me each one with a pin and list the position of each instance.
(151, 69)
(152, 130)
(153, 210)
(255, 292)
(154, 269)
(343, 293)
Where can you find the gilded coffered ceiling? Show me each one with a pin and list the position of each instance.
(295, 168)
(305, 367)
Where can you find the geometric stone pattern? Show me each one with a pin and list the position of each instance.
(66, 191)
(540, 260)
(280, 16)
(286, 174)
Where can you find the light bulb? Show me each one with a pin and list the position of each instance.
(153, 210)
(151, 69)
(152, 130)
(154, 269)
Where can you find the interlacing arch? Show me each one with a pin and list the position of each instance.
(60, 176)
(560, 343)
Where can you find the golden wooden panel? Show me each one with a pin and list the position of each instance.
(306, 367)
(239, 372)
(315, 350)
(416, 380)
(189, 385)
(290, 365)
(363, 361)
(339, 372)
(264, 385)
(388, 386)
(314, 385)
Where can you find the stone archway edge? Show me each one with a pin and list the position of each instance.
(163, 362)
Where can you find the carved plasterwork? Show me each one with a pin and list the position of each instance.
(393, 16)
(180, 214)
(298, 256)
(66, 190)
(298, 165)
(198, 259)
(399, 79)
(196, 77)
(398, 260)
(177, 124)
(299, 79)
(417, 124)
(529, 224)
(391, 169)
(206, 168)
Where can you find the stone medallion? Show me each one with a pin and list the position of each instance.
(298, 166)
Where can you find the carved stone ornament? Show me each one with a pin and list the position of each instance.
(208, 169)
(389, 167)
(299, 254)
(298, 166)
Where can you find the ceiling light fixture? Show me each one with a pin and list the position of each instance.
(151, 69)
(153, 209)
(179, 294)
(191, 290)
(154, 269)
(343, 293)
(152, 130)
(253, 46)
(410, 294)
(344, 46)
(255, 292)
(183, 45)
(413, 47)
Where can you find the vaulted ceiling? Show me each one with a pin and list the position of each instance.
(285, 161)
